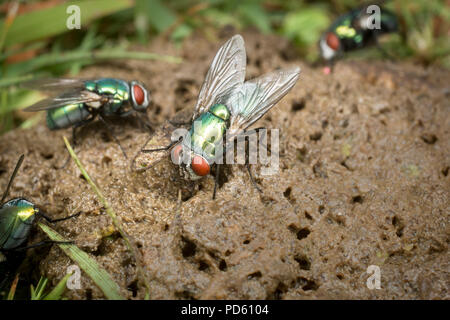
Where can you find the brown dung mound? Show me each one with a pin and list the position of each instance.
(363, 181)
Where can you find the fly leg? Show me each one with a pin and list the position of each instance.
(74, 136)
(165, 148)
(179, 123)
(112, 134)
(247, 163)
(36, 245)
(216, 181)
(58, 220)
(252, 179)
(160, 149)
(143, 122)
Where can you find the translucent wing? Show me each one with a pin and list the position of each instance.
(254, 98)
(7, 219)
(67, 98)
(54, 84)
(227, 70)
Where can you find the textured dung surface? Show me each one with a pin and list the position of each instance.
(363, 180)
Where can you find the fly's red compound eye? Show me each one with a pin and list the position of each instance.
(200, 166)
(139, 95)
(176, 153)
(332, 41)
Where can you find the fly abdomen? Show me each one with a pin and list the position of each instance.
(66, 116)
(16, 217)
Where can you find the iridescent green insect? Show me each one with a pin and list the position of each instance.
(226, 107)
(17, 217)
(354, 30)
(79, 102)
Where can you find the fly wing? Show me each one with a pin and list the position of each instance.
(7, 219)
(67, 98)
(227, 70)
(254, 98)
(54, 85)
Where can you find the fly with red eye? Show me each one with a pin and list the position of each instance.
(139, 96)
(77, 102)
(226, 107)
(355, 30)
(333, 41)
(200, 166)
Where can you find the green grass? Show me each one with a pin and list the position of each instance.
(99, 275)
(117, 224)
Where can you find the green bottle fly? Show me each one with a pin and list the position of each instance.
(354, 30)
(79, 102)
(17, 217)
(227, 105)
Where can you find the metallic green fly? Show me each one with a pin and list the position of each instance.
(226, 107)
(17, 217)
(353, 31)
(78, 102)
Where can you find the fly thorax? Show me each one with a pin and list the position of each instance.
(220, 111)
(27, 214)
(117, 90)
(26, 210)
(207, 132)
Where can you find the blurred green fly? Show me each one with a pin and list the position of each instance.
(225, 108)
(16, 220)
(78, 102)
(355, 30)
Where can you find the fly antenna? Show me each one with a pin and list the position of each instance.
(19, 163)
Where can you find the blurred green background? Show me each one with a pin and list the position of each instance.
(35, 42)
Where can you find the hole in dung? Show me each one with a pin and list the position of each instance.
(303, 262)
(189, 248)
(303, 233)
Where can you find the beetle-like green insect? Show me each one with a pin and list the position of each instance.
(353, 31)
(225, 108)
(78, 102)
(17, 217)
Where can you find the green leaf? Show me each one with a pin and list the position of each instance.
(181, 32)
(36, 294)
(52, 21)
(254, 13)
(155, 14)
(20, 99)
(57, 291)
(306, 25)
(99, 275)
(52, 59)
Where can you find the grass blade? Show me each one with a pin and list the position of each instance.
(52, 21)
(57, 291)
(12, 290)
(36, 294)
(117, 224)
(52, 59)
(99, 275)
